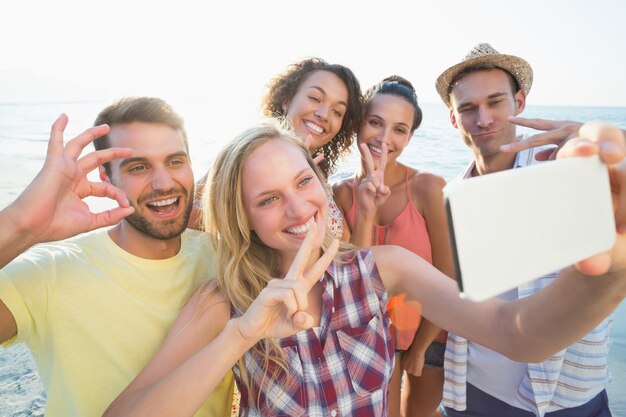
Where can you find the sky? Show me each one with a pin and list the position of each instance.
(224, 53)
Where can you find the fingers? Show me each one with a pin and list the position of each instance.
(111, 217)
(609, 138)
(300, 261)
(297, 294)
(367, 157)
(577, 147)
(316, 271)
(93, 160)
(537, 124)
(282, 291)
(55, 144)
(596, 265)
(383, 160)
(318, 158)
(308, 142)
(105, 189)
(302, 321)
(75, 146)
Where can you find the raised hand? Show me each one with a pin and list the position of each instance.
(555, 132)
(51, 207)
(280, 309)
(308, 143)
(607, 141)
(372, 191)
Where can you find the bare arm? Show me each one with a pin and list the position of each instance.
(204, 344)
(527, 330)
(427, 189)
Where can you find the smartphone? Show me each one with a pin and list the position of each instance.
(511, 227)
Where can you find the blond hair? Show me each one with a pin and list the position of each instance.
(244, 263)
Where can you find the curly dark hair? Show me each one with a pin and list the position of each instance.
(282, 88)
(396, 86)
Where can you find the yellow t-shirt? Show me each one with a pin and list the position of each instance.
(93, 315)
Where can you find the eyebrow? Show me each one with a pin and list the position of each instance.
(264, 193)
(128, 161)
(374, 115)
(324, 92)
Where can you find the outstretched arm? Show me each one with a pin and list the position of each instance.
(531, 329)
(51, 207)
(204, 344)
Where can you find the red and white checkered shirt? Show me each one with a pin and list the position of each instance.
(341, 368)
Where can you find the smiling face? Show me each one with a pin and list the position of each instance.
(282, 196)
(157, 178)
(481, 102)
(318, 107)
(388, 120)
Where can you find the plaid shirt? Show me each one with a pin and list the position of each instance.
(567, 379)
(341, 368)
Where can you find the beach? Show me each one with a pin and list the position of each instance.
(436, 147)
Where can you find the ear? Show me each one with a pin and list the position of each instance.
(103, 174)
(285, 106)
(520, 102)
(453, 118)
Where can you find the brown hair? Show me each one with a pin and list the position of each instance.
(138, 109)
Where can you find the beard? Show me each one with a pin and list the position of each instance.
(162, 230)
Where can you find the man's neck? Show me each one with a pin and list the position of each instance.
(139, 244)
(493, 163)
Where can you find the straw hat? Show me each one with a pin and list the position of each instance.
(484, 54)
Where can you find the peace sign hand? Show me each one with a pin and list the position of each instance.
(308, 143)
(372, 191)
(280, 309)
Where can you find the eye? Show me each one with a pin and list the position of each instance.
(374, 122)
(401, 131)
(337, 113)
(267, 201)
(305, 181)
(137, 169)
(315, 99)
(176, 162)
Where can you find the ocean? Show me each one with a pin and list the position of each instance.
(436, 147)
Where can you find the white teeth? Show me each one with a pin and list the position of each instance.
(164, 202)
(298, 230)
(376, 149)
(314, 127)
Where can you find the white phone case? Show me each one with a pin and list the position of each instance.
(511, 227)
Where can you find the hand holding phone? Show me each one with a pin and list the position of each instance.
(511, 227)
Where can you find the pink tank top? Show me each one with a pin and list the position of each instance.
(409, 231)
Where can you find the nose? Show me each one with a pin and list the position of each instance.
(162, 179)
(322, 111)
(385, 135)
(297, 207)
(485, 117)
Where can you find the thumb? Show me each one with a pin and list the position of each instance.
(302, 321)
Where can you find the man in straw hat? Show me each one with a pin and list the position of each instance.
(482, 92)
